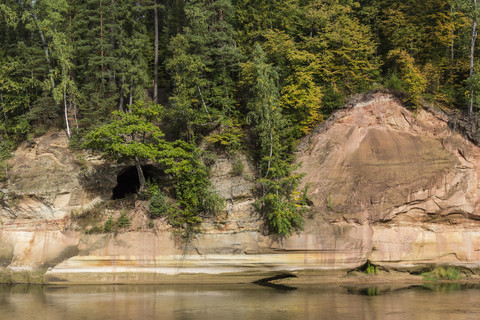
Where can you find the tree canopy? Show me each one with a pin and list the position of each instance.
(233, 73)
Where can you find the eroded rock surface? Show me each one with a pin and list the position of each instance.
(406, 177)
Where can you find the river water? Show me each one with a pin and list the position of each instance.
(21, 302)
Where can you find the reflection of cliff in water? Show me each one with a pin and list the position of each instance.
(234, 302)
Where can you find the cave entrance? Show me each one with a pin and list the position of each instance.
(128, 183)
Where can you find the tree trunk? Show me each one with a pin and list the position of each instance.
(4, 113)
(141, 177)
(66, 109)
(472, 52)
(155, 71)
(130, 100)
(120, 103)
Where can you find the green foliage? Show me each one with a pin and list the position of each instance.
(394, 82)
(193, 189)
(301, 96)
(237, 168)
(332, 100)
(371, 269)
(442, 273)
(413, 81)
(74, 62)
(230, 138)
(130, 135)
(203, 59)
(151, 224)
(109, 225)
(5, 153)
(151, 188)
(159, 205)
(278, 184)
(123, 221)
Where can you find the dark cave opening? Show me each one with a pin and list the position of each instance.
(128, 183)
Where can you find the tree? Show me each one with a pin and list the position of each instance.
(257, 17)
(471, 9)
(131, 136)
(343, 46)
(203, 62)
(277, 203)
(414, 83)
(301, 96)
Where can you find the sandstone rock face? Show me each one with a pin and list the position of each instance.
(397, 188)
(406, 177)
(44, 182)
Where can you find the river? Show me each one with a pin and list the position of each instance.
(249, 301)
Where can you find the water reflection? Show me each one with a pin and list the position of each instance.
(450, 301)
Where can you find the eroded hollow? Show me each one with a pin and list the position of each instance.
(128, 183)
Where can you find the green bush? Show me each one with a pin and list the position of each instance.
(237, 168)
(159, 206)
(123, 221)
(230, 139)
(94, 230)
(149, 190)
(108, 225)
(371, 269)
(442, 273)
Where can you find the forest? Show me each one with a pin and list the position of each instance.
(152, 81)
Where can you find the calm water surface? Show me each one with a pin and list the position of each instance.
(238, 302)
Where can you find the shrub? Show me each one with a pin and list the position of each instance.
(237, 168)
(123, 221)
(94, 229)
(371, 269)
(108, 225)
(151, 224)
(441, 273)
(229, 139)
(159, 206)
(149, 191)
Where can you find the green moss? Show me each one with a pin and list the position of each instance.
(30, 276)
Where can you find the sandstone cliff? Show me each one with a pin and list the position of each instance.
(394, 187)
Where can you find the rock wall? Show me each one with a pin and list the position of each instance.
(406, 176)
(394, 187)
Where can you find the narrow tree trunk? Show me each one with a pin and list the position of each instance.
(4, 113)
(3, 106)
(130, 101)
(66, 109)
(155, 71)
(141, 177)
(74, 107)
(120, 104)
(472, 52)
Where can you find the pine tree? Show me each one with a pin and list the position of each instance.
(202, 64)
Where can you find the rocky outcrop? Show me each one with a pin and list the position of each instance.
(397, 188)
(407, 177)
